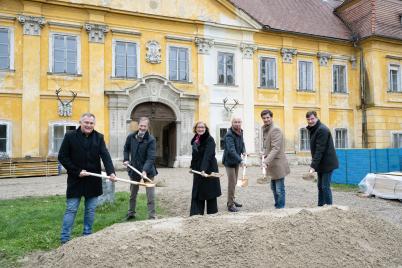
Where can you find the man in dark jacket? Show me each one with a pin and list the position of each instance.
(234, 148)
(80, 152)
(139, 152)
(324, 159)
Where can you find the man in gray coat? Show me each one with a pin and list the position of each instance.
(275, 160)
(139, 152)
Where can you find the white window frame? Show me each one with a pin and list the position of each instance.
(188, 63)
(51, 43)
(346, 78)
(313, 75)
(9, 136)
(234, 68)
(300, 140)
(393, 66)
(51, 145)
(346, 137)
(11, 48)
(137, 45)
(399, 133)
(276, 70)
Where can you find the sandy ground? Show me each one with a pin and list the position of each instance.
(369, 233)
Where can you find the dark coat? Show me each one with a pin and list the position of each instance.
(141, 155)
(77, 154)
(203, 159)
(322, 148)
(233, 148)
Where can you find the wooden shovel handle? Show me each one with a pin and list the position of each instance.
(213, 174)
(139, 173)
(119, 179)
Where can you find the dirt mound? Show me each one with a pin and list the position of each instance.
(286, 238)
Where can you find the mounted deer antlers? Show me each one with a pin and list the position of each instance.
(65, 107)
(232, 107)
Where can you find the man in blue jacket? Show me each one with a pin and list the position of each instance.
(234, 148)
(139, 152)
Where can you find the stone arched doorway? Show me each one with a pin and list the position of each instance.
(153, 92)
(162, 126)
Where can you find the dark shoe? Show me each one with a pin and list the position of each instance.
(129, 218)
(232, 209)
(238, 205)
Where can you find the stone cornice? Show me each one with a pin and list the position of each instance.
(124, 31)
(65, 24)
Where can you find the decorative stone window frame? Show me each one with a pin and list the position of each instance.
(9, 137)
(189, 67)
(346, 137)
(138, 56)
(390, 67)
(346, 77)
(51, 42)
(313, 74)
(269, 56)
(11, 51)
(51, 145)
(300, 141)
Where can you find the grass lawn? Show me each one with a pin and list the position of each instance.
(30, 224)
(344, 187)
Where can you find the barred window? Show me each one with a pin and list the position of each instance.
(125, 59)
(339, 77)
(304, 140)
(306, 75)
(226, 68)
(268, 72)
(341, 138)
(178, 64)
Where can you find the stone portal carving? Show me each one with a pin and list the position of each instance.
(153, 54)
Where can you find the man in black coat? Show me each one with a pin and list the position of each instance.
(324, 159)
(81, 152)
(139, 152)
(234, 148)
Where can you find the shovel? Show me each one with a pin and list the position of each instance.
(213, 174)
(122, 180)
(139, 173)
(243, 182)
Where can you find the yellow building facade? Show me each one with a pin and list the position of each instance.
(178, 63)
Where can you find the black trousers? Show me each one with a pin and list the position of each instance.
(198, 206)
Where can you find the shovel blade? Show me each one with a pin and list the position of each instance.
(242, 182)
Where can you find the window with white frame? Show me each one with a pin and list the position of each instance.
(304, 140)
(178, 64)
(306, 75)
(226, 68)
(222, 133)
(394, 78)
(341, 138)
(397, 140)
(268, 72)
(4, 48)
(125, 59)
(339, 78)
(65, 54)
(5, 140)
(57, 135)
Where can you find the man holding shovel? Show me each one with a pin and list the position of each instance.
(233, 150)
(275, 161)
(139, 152)
(81, 152)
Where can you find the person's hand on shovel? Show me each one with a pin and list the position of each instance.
(204, 174)
(112, 177)
(125, 163)
(83, 173)
(312, 170)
